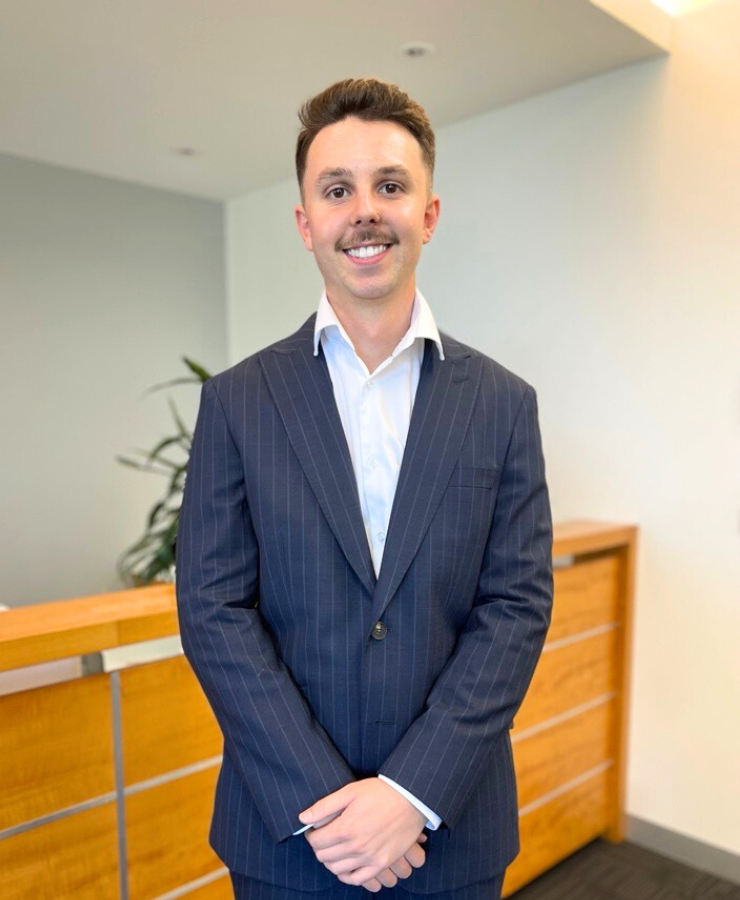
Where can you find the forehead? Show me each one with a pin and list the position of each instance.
(356, 145)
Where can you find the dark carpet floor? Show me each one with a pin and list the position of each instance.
(604, 871)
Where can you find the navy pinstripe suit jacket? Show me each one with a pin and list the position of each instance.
(277, 599)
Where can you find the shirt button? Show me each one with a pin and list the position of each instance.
(379, 631)
(381, 535)
(373, 462)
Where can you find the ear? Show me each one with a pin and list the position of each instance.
(431, 216)
(303, 227)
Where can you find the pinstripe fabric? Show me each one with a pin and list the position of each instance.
(246, 888)
(306, 699)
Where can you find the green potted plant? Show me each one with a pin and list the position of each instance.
(152, 558)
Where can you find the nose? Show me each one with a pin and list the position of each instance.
(366, 209)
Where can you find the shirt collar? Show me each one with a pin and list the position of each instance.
(422, 326)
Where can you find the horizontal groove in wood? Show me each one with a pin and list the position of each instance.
(521, 734)
(550, 646)
(167, 835)
(167, 721)
(586, 596)
(75, 858)
(207, 888)
(39, 822)
(570, 676)
(556, 756)
(559, 828)
(202, 765)
(56, 747)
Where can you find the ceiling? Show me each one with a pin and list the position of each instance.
(117, 87)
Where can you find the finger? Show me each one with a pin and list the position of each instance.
(373, 885)
(402, 868)
(359, 876)
(332, 803)
(331, 835)
(326, 820)
(344, 865)
(415, 855)
(387, 878)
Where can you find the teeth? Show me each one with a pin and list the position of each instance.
(364, 252)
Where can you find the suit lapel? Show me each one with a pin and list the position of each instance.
(439, 421)
(301, 387)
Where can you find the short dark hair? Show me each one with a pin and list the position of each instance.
(370, 100)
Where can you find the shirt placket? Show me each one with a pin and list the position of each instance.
(377, 468)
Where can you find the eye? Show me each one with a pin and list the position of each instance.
(393, 188)
(332, 193)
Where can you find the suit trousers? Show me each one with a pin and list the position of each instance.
(246, 888)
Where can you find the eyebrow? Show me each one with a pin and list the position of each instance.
(330, 174)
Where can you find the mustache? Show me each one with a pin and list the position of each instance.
(368, 237)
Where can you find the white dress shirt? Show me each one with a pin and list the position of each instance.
(375, 409)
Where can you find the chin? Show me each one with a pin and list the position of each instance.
(371, 291)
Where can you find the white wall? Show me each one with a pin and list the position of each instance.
(590, 241)
(104, 285)
(272, 281)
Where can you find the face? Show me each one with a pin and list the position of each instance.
(366, 210)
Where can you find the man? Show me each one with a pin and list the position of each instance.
(364, 570)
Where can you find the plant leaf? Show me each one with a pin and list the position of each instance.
(194, 367)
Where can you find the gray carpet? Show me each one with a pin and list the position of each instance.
(604, 871)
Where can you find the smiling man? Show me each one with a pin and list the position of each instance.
(364, 575)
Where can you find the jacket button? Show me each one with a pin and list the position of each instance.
(379, 631)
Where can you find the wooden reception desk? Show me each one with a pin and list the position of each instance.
(107, 780)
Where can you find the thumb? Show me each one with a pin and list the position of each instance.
(332, 803)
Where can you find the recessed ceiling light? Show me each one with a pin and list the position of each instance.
(417, 49)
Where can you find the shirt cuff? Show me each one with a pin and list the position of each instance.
(433, 820)
(305, 828)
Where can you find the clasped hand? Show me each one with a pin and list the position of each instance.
(366, 833)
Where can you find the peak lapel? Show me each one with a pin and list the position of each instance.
(442, 409)
(301, 388)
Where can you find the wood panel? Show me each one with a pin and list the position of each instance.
(570, 675)
(553, 831)
(586, 596)
(56, 747)
(167, 721)
(74, 858)
(559, 754)
(32, 634)
(167, 834)
(220, 889)
(581, 536)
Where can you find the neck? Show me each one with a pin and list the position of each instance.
(375, 327)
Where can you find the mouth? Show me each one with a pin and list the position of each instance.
(367, 254)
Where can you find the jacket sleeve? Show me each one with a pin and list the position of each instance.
(445, 751)
(284, 756)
